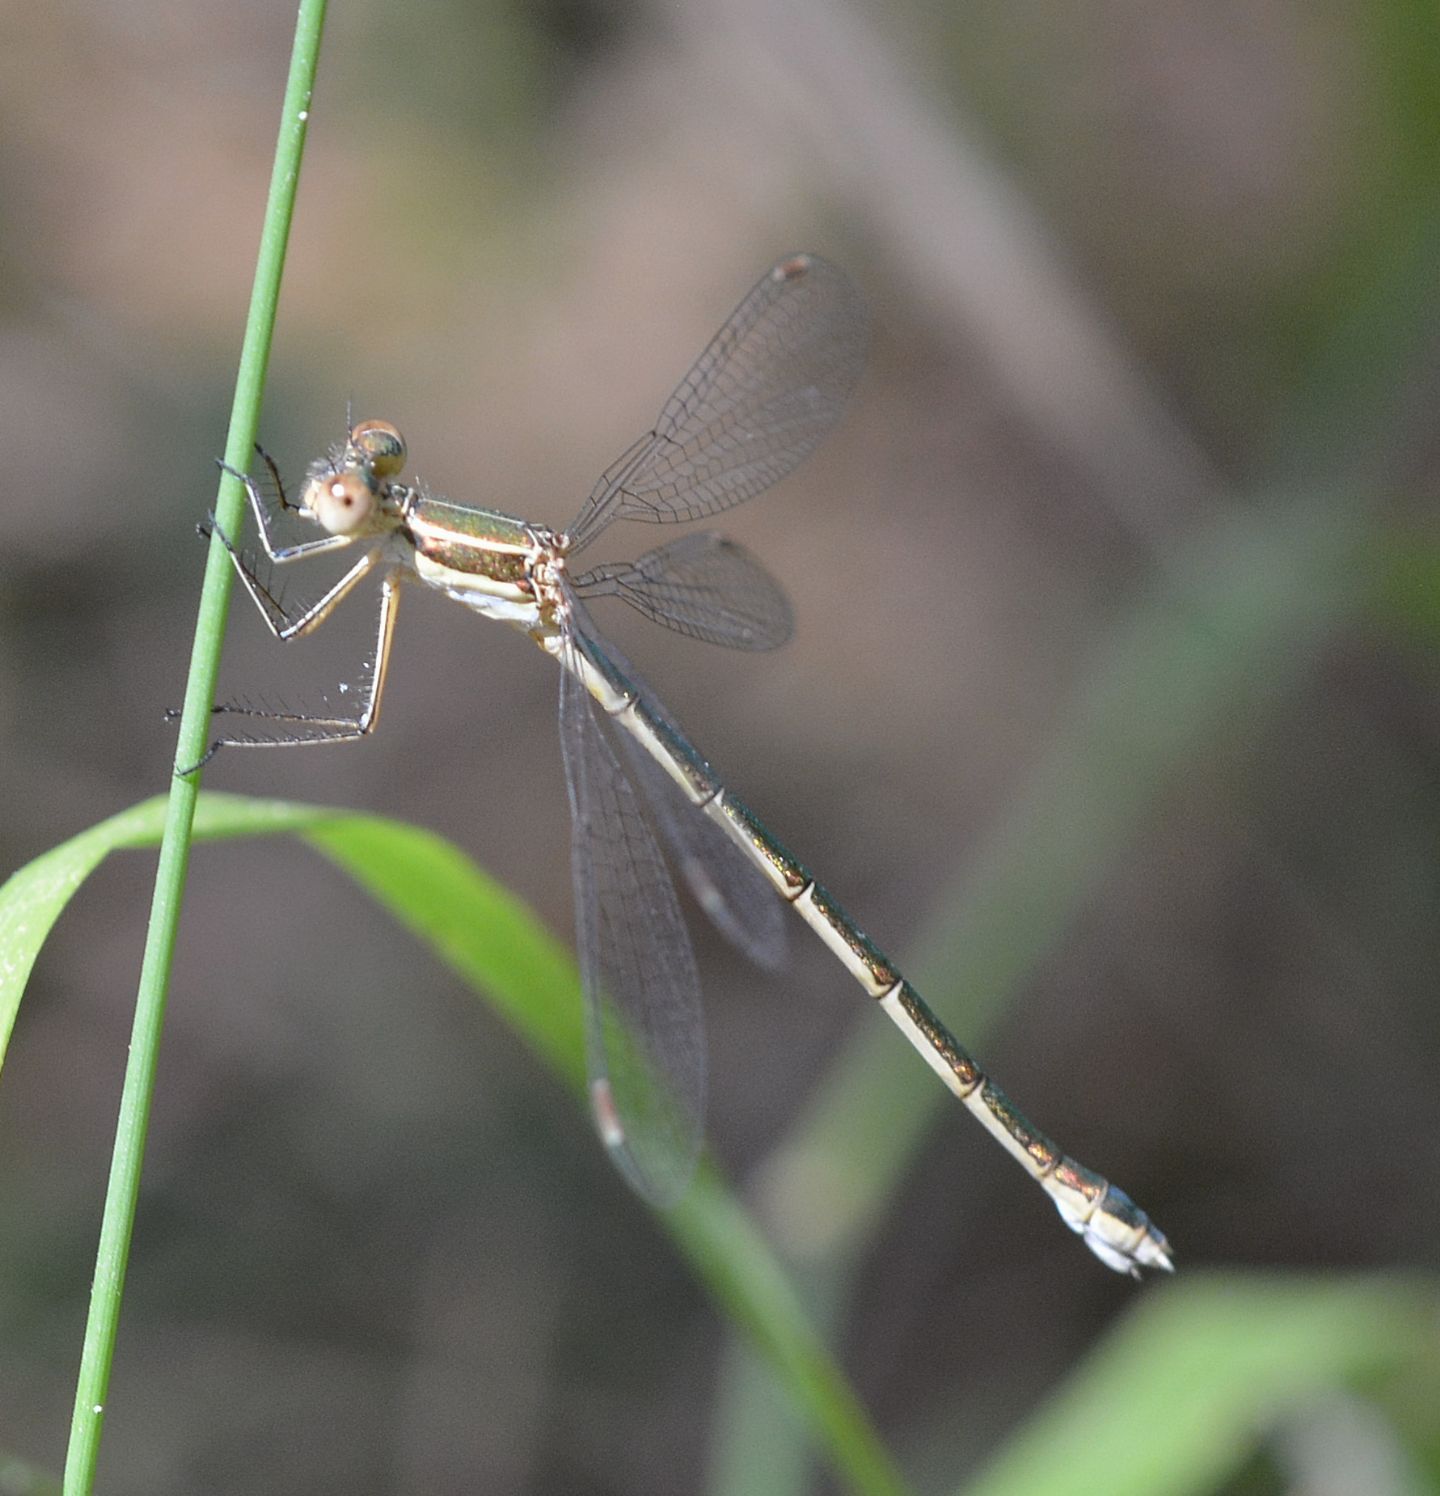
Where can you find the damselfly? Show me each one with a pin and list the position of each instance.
(772, 382)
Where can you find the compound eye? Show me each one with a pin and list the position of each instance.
(380, 446)
(341, 502)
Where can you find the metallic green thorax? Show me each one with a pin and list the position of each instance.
(477, 542)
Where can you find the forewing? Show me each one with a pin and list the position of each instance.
(772, 382)
(732, 891)
(644, 1041)
(701, 585)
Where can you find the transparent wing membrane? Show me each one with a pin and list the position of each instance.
(701, 585)
(733, 892)
(644, 1043)
(721, 879)
(758, 400)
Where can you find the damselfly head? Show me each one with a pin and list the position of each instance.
(346, 494)
(342, 501)
(379, 445)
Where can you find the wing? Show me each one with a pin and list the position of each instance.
(731, 890)
(701, 585)
(736, 896)
(758, 400)
(644, 1042)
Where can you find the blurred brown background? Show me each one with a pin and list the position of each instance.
(1116, 593)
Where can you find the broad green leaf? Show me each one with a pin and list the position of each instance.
(1180, 1393)
(498, 947)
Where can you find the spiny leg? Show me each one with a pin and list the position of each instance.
(278, 618)
(307, 728)
(275, 548)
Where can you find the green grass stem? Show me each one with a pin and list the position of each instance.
(122, 1191)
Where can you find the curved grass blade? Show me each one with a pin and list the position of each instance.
(1181, 1393)
(496, 945)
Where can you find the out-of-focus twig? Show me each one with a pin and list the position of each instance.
(977, 257)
